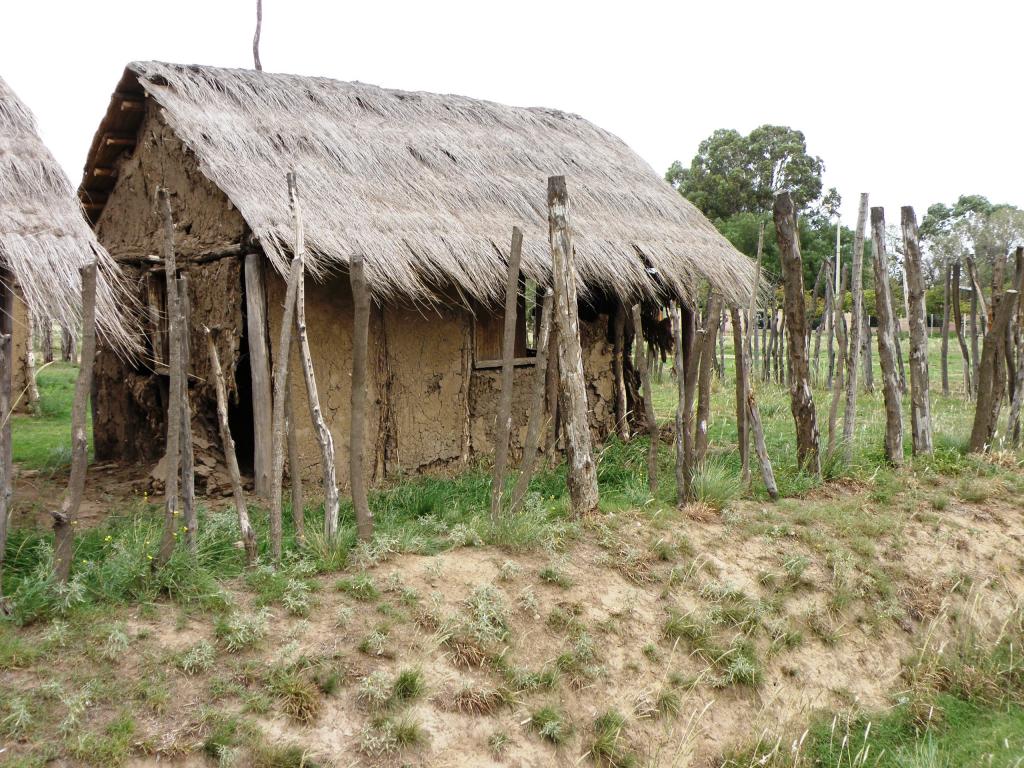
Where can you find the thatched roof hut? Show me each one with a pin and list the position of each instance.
(427, 188)
(44, 236)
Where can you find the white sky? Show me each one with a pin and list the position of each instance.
(912, 101)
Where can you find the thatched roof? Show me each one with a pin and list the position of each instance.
(428, 187)
(44, 236)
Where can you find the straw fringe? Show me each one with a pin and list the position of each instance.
(44, 237)
(427, 187)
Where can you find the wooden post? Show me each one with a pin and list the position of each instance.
(618, 371)
(46, 339)
(801, 399)
(188, 462)
(920, 399)
(176, 399)
(31, 385)
(582, 471)
(958, 328)
(838, 378)
(281, 359)
(537, 414)
(753, 415)
(64, 519)
(691, 369)
(503, 424)
(259, 368)
(677, 334)
(323, 434)
(856, 327)
(977, 304)
(712, 319)
(230, 458)
(869, 368)
(947, 279)
(990, 384)
(295, 476)
(742, 385)
(650, 421)
(1013, 422)
(886, 342)
(6, 376)
(65, 344)
(360, 342)
(551, 388)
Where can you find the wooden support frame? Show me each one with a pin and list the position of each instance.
(259, 369)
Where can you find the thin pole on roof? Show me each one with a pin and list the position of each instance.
(256, 37)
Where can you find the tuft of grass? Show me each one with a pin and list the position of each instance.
(361, 587)
(298, 696)
(607, 748)
(498, 743)
(239, 631)
(552, 575)
(715, 484)
(409, 685)
(551, 724)
(198, 658)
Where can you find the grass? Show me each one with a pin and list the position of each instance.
(43, 442)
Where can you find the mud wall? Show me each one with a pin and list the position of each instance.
(417, 413)
(19, 349)
(130, 396)
(597, 367)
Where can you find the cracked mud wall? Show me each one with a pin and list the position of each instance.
(129, 397)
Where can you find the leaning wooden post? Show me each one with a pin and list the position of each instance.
(801, 399)
(958, 328)
(323, 434)
(64, 520)
(886, 342)
(856, 327)
(650, 420)
(230, 458)
(175, 399)
(712, 318)
(537, 415)
(360, 342)
(618, 371)
(920, 400)
(6, 374)
(839, 374)
(259, 369)
(682, 486)
(282, 356)
(582, 474)
(989, 381)
(188, 461)
(503, 424)
(753, 417)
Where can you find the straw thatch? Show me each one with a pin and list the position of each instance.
(428, 187)
(44, 236)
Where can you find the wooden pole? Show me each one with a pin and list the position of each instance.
(920, 399)
(680, 442)
(230, 458)
(990, 384)
(65, 519)
(188, 462)
(886, 342)
(551, 388)
(256, 37)
(754, 421)
(958, 328)
(618, 371)
(582, 471)
(536, 418)
(259, 368)
(839, 377)
(691, 369)
(707, 362)
(175, 401)
(360, 343)
(1013, 422)
(856, 327)
(503, 424)
(6, 376)
(650, 421)
(801, 399)
(282, 357)
(947, 278)
(742, 386)
(323, 435)
(31, 385)
(295, 475)
(46, 339)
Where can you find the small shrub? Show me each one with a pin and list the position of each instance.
(551, 725)
(552, 575)
(198, 658)
(374, 691)
(239, 631)
(17, 720)
(360, 587)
